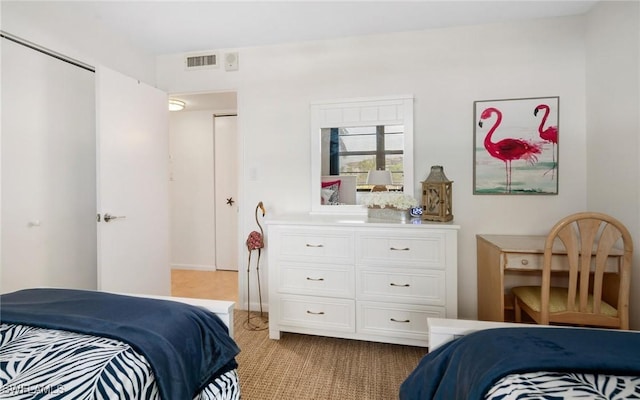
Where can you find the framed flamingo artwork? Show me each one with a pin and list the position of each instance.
(516, 146)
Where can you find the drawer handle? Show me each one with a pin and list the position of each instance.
(395, 284)
(524, 261)
(315, 279)
(404, 321)
(315, 245)
(315, 313)
(399, 249)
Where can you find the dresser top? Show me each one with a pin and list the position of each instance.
(354, 220)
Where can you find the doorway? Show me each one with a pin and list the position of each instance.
(204, 208)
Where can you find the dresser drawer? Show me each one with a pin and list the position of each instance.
(424, 287)
(317, 312)
(333, 280)
(316, 245)
(400, 250)
(407, 321)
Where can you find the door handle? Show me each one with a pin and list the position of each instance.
(108, 217)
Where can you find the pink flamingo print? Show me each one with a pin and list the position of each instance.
(508, 149)
(550, 134)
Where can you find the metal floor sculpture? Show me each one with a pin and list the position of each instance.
(255, 241)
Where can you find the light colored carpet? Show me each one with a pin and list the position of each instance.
(304, 367)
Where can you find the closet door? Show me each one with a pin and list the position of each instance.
(133, 179)
(48, 172)
(226, 178)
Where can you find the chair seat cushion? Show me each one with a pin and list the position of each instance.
(530, 295)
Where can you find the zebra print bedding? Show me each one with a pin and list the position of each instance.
(468, 367)
(559, 385)
(54, 364)
(184, 345)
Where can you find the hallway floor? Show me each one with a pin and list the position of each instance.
(217, 285)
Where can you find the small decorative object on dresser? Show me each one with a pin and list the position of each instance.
(436, 196)
(389, 205)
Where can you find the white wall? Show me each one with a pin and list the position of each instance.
(192, 190)
(613, 121)
(446, 70)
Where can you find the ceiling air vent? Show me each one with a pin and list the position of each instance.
(200, 61)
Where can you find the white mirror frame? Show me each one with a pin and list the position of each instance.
(391, 110)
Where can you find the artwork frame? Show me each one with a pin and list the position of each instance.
(516, 146)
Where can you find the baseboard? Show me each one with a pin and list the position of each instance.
(255, 307)
(194, 267)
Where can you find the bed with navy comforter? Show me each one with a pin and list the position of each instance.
(76, 344)
(530, 363)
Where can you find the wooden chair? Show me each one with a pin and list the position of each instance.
(594, 295)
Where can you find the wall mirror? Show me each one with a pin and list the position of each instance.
(352, 142)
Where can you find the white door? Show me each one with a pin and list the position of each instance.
(226, 192)
(132, 180)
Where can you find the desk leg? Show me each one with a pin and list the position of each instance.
(490, 282)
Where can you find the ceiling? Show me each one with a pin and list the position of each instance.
(158, 27)
(167, 27)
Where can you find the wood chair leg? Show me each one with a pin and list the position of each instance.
(517, 311)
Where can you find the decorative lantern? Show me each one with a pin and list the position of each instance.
(436, 196)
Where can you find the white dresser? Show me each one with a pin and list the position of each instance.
(355, 278)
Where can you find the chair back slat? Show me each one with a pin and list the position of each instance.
(570, 239)
(588, 231)
(608, 238)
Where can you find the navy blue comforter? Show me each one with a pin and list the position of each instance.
(467, 367)
(185, 345)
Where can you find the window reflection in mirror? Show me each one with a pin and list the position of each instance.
(352, 137)
(354, 151)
